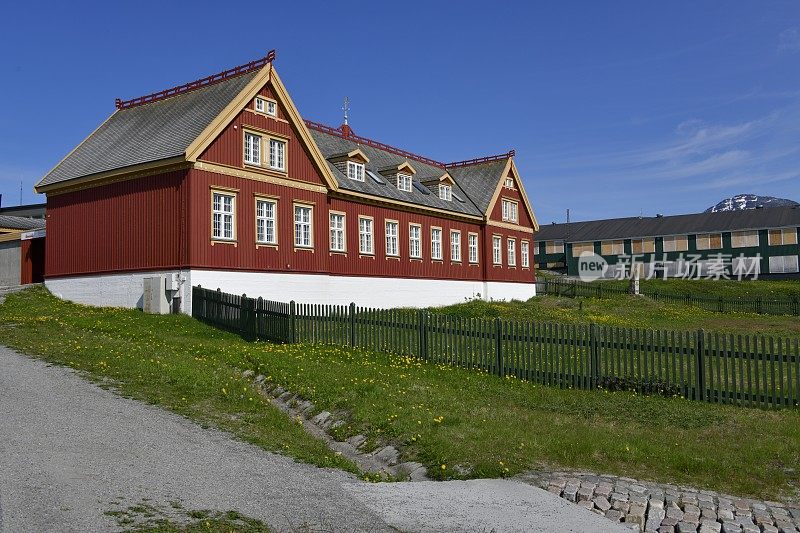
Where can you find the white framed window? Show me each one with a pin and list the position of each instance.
(676, 243)
(277, 154)
(511, 244)
(445, 192)
(436, 244)
(337, 232)
(472, 240)
(455, 246)
(510, 211)
(303, 230)
(415, 241)
(404, 182)
(525, 253)
(355, 171)
(366, 237)
(265, 221)
(509, 183)
(392, 231)
(223, 223)
(497, 250)
(252, 149)
(783, 264)
(779, 237)
(268, 107)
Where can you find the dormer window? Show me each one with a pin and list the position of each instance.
(404, 182)
(268, 107)
(355, 171)
(445, 192)
(402, 174)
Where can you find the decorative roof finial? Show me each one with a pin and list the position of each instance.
(346, 109)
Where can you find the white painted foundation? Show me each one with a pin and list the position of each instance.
(109, 290)
(126, 290)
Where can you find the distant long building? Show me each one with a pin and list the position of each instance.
(762, 239)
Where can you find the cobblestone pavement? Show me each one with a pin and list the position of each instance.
(662, 508)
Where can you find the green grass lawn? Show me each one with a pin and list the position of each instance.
(626, 311)
(459, 423)
(170, 360)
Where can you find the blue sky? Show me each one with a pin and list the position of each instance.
(614, 108)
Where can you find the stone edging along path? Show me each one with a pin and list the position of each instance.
(647, 507)
(384, 460)
(666, 508)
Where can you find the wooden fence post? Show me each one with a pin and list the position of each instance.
(721, 305)
(352, 317)
(795, 306)
(244, 317)
(292, 333)
(423, 334)
(498, 331)
(594, 354)
(218, 308)
(700, 369)
(759, 305)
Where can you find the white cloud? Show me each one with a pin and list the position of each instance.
(789, 40)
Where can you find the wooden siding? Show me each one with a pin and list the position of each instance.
(511, 194)
(228, 148)
(504, 272)
(245, 255)
(124, 226)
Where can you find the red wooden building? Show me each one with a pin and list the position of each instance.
(221, 183)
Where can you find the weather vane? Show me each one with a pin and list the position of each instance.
(346, 109)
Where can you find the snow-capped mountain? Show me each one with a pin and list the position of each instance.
(750, 201)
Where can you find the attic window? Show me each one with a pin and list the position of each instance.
(445, 192)
(355, 171)
(404, 182)
(268, 107)
(509, 183)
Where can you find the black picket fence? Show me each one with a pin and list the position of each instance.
(749, 370)
(600, 289)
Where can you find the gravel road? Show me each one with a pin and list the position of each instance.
(71, 451)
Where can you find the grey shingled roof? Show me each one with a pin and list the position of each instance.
(21, 223)
(632, 227)
(148, 132)
(333, 145)
(480, 181)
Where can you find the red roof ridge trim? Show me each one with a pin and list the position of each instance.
(479, 160)
(197, 84)
(347, 133)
